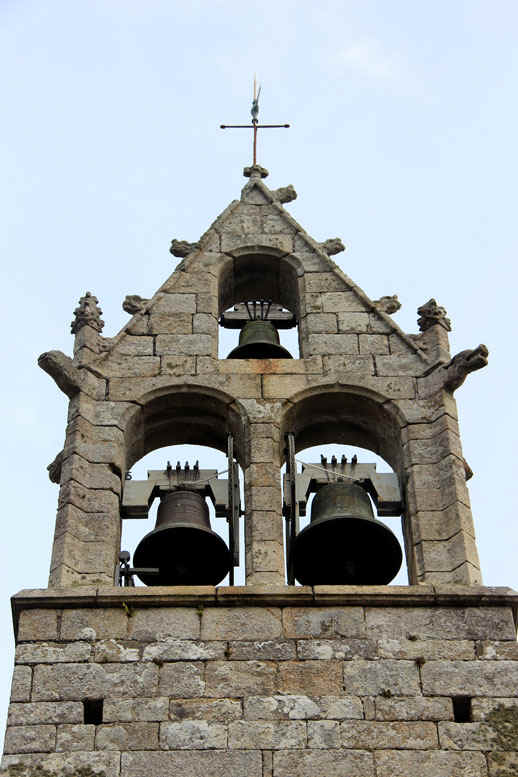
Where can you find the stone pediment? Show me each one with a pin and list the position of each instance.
(255, 237)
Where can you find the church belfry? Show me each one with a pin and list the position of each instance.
(340, 674)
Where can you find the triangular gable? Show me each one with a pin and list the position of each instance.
(187, 302)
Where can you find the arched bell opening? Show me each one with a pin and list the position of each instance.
(322, 506)
(343, 433)
(184, 545)
(185, 415)
(204, 468)
(259, 286)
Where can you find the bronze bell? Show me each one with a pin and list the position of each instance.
(344, 544)
(182, 545)
(259, 340)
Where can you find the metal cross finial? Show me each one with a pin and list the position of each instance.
(255, 121)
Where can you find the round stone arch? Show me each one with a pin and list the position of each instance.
(260, 272)
(185, 414)
(350, 415)
(353, 415)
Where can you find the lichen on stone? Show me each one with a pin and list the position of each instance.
(504, 722)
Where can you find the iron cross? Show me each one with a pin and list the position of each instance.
(254, 125)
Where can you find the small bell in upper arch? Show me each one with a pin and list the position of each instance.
(259, 340)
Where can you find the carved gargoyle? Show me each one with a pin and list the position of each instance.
(389, 304)
(63, 370)
(332, 246)
(285, 194)
(431, 313)
(464, 363)
(182, 248)
(54, 468)
(134, 304)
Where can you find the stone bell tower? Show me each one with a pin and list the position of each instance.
(268, 679)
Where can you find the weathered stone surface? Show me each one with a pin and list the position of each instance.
(300, 677)
(444, 623)
(285, 707)
(502, 764)
(257, 735)
(30, 714)
(134, 346)
(75, 737)
(111, 651)
(30, 739)
(345, 649)
(349, 364)
(88, 500)
(483, 706)
(321, 323)
(330, 344)
(403, 763)
(21, 683)
(429, 649)
(280, 386)
(178, 365)
(383, 677)
(440, 525)
(37, 624)
(406, 363)
(324, 734)
(263, 650)
(127, 736)
(250, 623)
(367, 734)
(178, 345)
(61, 764)
(193, 764)
(90, 624)
(154, 623)
(79, 681)
(239, 678)
(353, 322)
(172, 323)
(413, 708)
(129, 710)
(183, 650)
(345, 301)
(124, 368)
(469, 678)
(373, 344)
(324, 282)
(331, 763)
(204, 323)
(175, 303)
(324, 622)
(193, 735)
(467, 736)
(41, 653)
(341, 707)
(181, 680)
(217, 710)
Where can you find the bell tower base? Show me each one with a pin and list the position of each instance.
(264, 682)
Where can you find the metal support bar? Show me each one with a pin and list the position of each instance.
(291, 512)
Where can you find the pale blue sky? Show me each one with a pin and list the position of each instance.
(404, 127)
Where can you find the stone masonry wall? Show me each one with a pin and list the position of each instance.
(289, 683)
(397, 392)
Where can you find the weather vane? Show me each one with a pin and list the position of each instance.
(255, 121)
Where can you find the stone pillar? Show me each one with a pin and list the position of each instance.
(442, 536)
(263, 504)
(87, 533)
